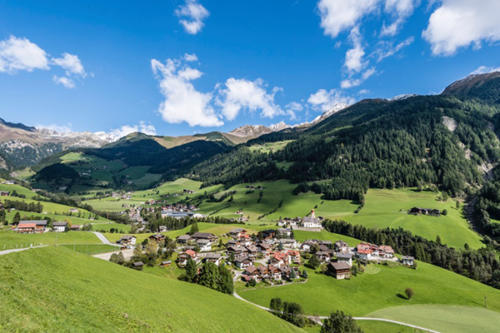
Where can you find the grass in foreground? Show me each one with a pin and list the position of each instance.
(11, 240)
(91, 248)
(64, 291)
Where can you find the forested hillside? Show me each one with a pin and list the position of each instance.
(423, 140)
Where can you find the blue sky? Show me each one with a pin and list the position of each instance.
(176, 67)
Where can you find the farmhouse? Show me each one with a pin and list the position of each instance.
(138, 265)
(26, 228)
(31, 226)
(183, 257)
(75, 227)
(344, 257)
(157, 237)
(339, 270)
(127, 240)
(408, 260)
(203, 235)
(183, 239)
(59, 226)
(204, 244)
(236, 233)
(214, 258)
(4, 193)
(385, 251)
(165, 263)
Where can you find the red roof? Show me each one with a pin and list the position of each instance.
(27, 225)
(191, 253)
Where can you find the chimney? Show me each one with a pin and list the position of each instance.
(312, 214)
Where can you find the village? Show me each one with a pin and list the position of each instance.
(272, 256)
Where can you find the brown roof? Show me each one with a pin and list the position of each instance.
(339, 266)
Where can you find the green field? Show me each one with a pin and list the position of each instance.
(91, 248)
(388, 208)
(54, 289)
(444, 318)
(11, 240)
(380, 287)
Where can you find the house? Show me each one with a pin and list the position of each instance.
(166, 263)
(284, 233)
(138, 265)
(275, 273)
(311, 222)
(75, 227)
(73, 210)
(236, 249)
(243, 263)
(251, 272)
(183, 239)
(31, 226)
(264, 247)
(266, 234)
(203, 235)
(323, 256)
(344, 257)
(306, 246)
(364, 251)
(127, 240)
(59, 226)
(408, 260)
(157, 237)
(341, 246)
(26, 228)
(4, 193)
(252, 250)
(385, 251)
(183, 257)
(288, 243)
(214, 258)
(294, 256)
(339, 270)
(279, 259)
(236, 233)
(204, 244)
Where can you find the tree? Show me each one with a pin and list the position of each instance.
(313, 262)
(276, 304)
(444, 212)
(293, 313)
(225, 280)
(191, 270)
(292, 274)
(16, 218)
(2, 217)
(194, 228)
(438, 240)
(409, 293)
(304, 274)
(339, 322)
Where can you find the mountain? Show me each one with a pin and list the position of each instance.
(446, 140)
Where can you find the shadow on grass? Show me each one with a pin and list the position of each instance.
(402, 296)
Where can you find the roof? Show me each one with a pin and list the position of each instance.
(191, 253)
(26, 225)
(138, 263)
(344, 255)
(250, 269)
(338, 266)
(237, 230)
(60, 224)
(407, 258)
(184, 237)
(205, 235)
(37, 222)
(212, 256)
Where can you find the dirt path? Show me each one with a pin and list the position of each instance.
(4, 252)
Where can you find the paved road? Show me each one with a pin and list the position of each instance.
(4, 252)
(127, 254)
(103, 239)
(318, 319)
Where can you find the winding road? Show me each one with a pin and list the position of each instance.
(4, 252)
(318, 319)
(103, 239)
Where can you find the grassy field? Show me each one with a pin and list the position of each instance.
(64, 291)
(91, 248)
(269, 147)
(388, 208)
(444, 318)
(11, 240)
(380, 287)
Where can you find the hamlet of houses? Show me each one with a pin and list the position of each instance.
(41, 226)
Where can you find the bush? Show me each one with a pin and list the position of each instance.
(339, 322)
(409, 293)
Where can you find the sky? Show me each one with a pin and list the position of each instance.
(178, 67)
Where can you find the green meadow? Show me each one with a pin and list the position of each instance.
(65, 291)
(11, 240)
(91, 248)
(380, 287)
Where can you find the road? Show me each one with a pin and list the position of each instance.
(4, 252)
(318, 319)
(103, 239)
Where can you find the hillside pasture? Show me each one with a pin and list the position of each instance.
(11, 240)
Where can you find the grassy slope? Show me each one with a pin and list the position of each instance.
(10, 239)
(378, 288)
(94, 295)
(388, 208)
(91, 248)
(459, 319)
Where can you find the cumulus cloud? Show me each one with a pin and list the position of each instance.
(329, 100)
(460, 23)
(191, 15)
(71, 64)
(64, 81)
(354, 56)
(20, 54)
(239, 94)
(400, 9)
(182, 102)
(118, 133)
(190, 57)
(339, 15)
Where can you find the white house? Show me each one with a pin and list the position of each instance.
(59, 226)
(311, 222)
(204, 244)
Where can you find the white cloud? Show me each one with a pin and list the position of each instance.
(332, 100)
(71, 64)
(21, 54)
(400, 9)
(241, 94)
(354, 57)
(485, 70)
(354, 82)
(182, 101)
(64, 81)
(190, 57)
(339, 15)
(191, 15)
(387, 49)
(460, 23)
(118, 133)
